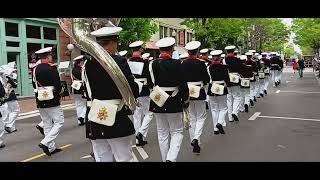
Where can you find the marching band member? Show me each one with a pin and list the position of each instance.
(243, 59)
(217, 91)
(255, 72)
(142, 116)
(197, 77)
(266, 71)
(78, 89)
(261, 76)
(280, 62)
(246, 75)
(168, 99)
(47, 82)
(107, 123)
(253, 65)
(123, 53)
(274, 62)
(234, 94)
(205, 55)
(2, 94)
(183, 56)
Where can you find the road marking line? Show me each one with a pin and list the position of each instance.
(134, 157)
(86, 157)
(254, 116)
(43, 154)
(37, 114)
(277, 91)
(301, 119)
(142, 152)
(304, 92)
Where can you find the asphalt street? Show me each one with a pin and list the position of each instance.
(283, 126)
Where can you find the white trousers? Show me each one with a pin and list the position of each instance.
(262, 82)
(233, 101)
(246, 92)
(81, 106)
(2, 111)
(53, 120)
(219, 110)
(257, 87)
(274, 74)
(252, 87)
(120, 148)
(143, 114)
(13, 110)
(241, 107)
(41, 124)
(197, 114)
(169, 125)
(279, 75)
(266, 82)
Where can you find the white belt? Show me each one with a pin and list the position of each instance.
(111, 101)
(143, 80)
(234, 73)
(246, 78)
(199, 83)
(46, 87)
(218, 82)
(169, 88)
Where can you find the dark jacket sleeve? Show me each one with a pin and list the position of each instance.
(183, 88)
(130, 78)
(226, 76)
(11, 81)
(56, 81)
(205, 74)
(2, 91)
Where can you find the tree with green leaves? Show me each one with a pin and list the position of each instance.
(307, 34)
(135, 29)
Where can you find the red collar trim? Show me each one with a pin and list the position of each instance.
(44, 62)
(165, 56)
(216, 62)
(230, 55)
(193, 57)
(136, 54)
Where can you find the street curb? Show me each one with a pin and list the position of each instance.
(317, 77)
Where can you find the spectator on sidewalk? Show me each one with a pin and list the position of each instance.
(2, 93)
(294, 66)
(301, 67)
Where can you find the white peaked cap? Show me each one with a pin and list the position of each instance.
(136, 44)
(123, 53)
(145, 55)
(44, 50)
(165, 42)
(202, 51)
(78, 57)
(106, 31)
(183, 55)
(193, 45)
(249, 53)
(216, 52)
(230, 47)
(243, 57)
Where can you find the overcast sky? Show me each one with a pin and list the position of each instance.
(288, 22)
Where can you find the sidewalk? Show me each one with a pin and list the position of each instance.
(28, 105)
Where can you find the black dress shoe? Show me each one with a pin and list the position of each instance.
(276, 84)
(261, 94)
(207, 105)
(9, 130)
(251, 102)
(2, 145)
(56, 151)
(254, 99)
(235, 117)
(265, 91)
(92, 155)
(45, 149)
(168, 161)
(141, 142)
(40, 129)
(219, 126)
(246, 108)
(81, 121)
(196, 147)
(216, 132)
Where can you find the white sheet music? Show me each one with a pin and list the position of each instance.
(136, 67)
